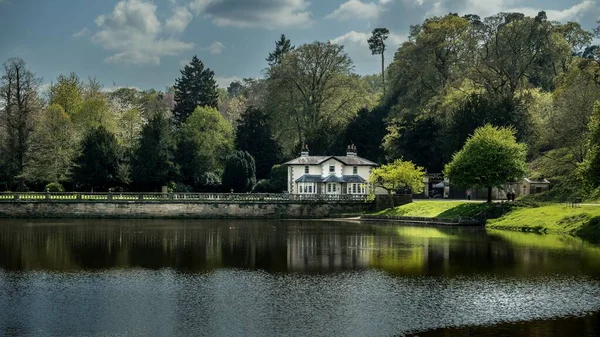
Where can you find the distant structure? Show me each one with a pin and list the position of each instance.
(329, 174)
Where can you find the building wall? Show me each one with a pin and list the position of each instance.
(297, 171)
(205, 210)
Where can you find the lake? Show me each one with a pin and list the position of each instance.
(291, 278)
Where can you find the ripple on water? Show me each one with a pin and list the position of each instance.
(251, 303)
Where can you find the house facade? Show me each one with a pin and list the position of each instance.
(329, 174)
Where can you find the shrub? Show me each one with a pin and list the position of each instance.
(54, 187)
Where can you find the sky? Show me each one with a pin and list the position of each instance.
(145, 43)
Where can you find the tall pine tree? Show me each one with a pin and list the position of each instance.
(282, 47)
(196, 87)
(254, 135)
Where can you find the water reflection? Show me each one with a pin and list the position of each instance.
(287, 246)
(292, 278)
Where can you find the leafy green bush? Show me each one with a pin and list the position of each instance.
(54, 187)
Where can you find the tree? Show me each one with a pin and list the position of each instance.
(377, 46)
(54, 146)
(397, 175)
(590, 167)
(196, 87)
(19, 104)
(98, 164)
(239, 173)
(490, 158)
(313, 95)
(68, 93)
(205, 141)
(282, 47)
(235, 88)
(153, 163)
(254, 135)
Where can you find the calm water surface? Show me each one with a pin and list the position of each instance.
(291, 278)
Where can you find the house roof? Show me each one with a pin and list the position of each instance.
(308, 178)
(354, 178)
(316, 160)
(332, 178)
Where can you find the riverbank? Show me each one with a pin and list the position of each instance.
(582, 220)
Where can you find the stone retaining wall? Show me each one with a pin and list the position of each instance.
(199, 210)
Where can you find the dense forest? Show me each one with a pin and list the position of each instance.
(453, 75)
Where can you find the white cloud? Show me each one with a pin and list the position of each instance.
(360, 38)
(568, 14)
(491, 7)
(81, 33)
(179, 21)
(224, 82)
(270, 14)
(216, 48)
(353, 9)
(135, 33)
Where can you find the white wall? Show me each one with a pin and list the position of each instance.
(325, 168)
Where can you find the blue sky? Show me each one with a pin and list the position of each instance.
(143, 43)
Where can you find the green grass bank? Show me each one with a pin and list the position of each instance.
(583, 220)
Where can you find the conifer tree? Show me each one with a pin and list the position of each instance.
(196, 87)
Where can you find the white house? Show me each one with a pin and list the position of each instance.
(329, 174)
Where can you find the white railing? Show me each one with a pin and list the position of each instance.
(178, 197)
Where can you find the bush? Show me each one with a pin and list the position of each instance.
(54, 187)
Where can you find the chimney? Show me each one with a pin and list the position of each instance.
(304, 151)
(351, 151)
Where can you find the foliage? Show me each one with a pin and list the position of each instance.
(490, 158)
(98, 163)
(19, 104)
(398, 175)
(239, 174)
(277, 182)
(153, 163)
(282, 47)
(196, 87)
(255, 136)
(205, 140)
(54, 187)
(68, 93)
(367, 131)
(313, 96)
(377, 47)
(590, 167)
(54, 146)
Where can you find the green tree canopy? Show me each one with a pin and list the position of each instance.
(68, 93)
(98, 164)
(153, 163)
(397, 175)
(490, 158)
(205, 141)
(54, 145)
(239, 174)
(254, 135)
(196, 87)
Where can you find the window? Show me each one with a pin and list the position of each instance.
(329, 188)
(334, 187)
(306, 169)
(353, 188)
(331, 168)
(310, 189)
(355, 170)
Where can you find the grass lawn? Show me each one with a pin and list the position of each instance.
(582, 221)
(555, 218)
(437, 209)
